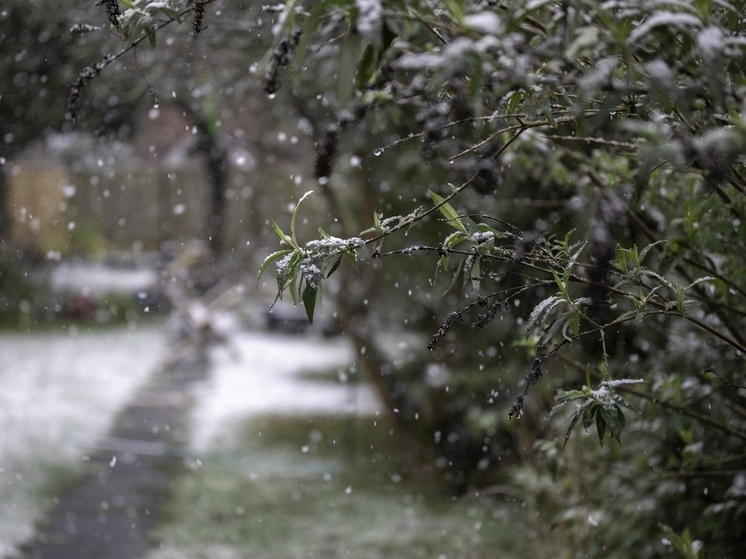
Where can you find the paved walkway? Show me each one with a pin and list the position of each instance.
(112, 511)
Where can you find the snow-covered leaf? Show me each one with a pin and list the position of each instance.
(681, 21)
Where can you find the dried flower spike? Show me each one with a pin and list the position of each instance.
(112, 11)
(199, 14)
(83, 28)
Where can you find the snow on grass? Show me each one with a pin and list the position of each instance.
(262, 378)
(99, 279)
(60, 390)
(326, 487)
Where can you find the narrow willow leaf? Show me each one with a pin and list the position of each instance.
(295, 217)
(476, 274)
(448, 212)
(601, 427)
(271, 258)
(646, 249)
(591, 408)
(287, 273)
(309, 301)
(698, 281)
(334, 267)
(540, 310)
(349, 59)
(309, 27)
(573, 422)
(612, 422)
(351, 257)
(283, 236)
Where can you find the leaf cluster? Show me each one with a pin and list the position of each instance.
(602, 406)
(301, 270)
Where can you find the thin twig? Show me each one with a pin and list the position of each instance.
(445, 200)
(589, 139)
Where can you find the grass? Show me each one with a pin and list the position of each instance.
(323, 487)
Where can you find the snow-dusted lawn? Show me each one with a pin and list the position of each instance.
(59, 391)
(258, 375)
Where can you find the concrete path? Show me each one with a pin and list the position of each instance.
(111, 512)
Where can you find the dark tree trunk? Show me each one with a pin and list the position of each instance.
(215, 159)
(4, 210)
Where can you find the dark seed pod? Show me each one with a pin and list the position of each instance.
(85, 76)
(280, 60)
(443, 330)
(199, 15)
(82, 29)
(487, 180)
(112, 11)
(326, 151)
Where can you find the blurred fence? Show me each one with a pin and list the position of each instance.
(124, 205)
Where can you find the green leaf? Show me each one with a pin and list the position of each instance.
(476, 277)
(541, 310)
(467, 268)
(645, 250)
(290, 13)
(620, 262)
(456, 274)
(334, 267)
(571, 263)
(148, 25)
(351, 257)
(565, 396)
(684, 544)
(620, 416)
(295, 216)
(561, 284)
(169, 12)
(698, 281)
(283, 237)
(309, 301)
(293, 284)
(349, 60)
(601, 426)
(546, 110)
(449, 213)
(556, 324)
(452, 240)
(573, 421)
(660, 278)
(609, 417)
(457, 10)
(267, 261)
(591, 408)
(572, 324)
(309, 28)
(287, 274)
(128, 4)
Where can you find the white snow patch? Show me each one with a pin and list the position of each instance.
(264, 380)
(59, 391)
(97, 279)
(484, 22)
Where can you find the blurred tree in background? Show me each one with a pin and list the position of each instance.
(571, 176)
